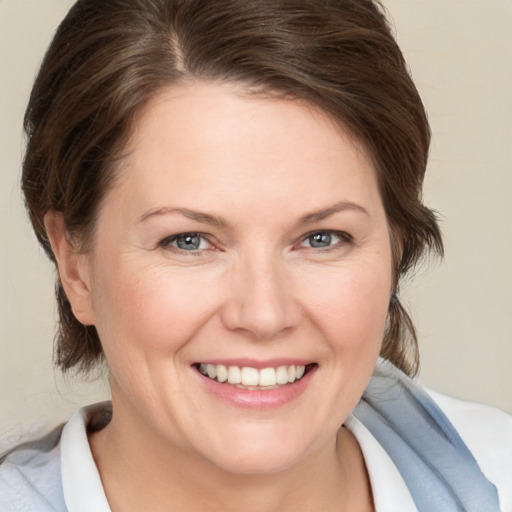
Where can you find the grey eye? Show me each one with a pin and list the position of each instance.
(321, 239)
(189, 242)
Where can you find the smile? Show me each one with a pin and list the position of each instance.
(250, 378)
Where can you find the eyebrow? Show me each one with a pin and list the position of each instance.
(205, 218)
(217, 221)
(327, 212)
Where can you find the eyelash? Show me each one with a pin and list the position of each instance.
(166, 243)
(344, 238)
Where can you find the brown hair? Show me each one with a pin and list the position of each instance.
(108, 59)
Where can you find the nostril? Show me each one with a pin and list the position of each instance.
(263, 307)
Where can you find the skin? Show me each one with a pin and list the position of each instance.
(270, 171)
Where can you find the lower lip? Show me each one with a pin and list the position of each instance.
(257, 399)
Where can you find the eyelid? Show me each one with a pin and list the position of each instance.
(166, 242)
(343, 235)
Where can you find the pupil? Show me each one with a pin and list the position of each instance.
(188, 242)
(320, 240)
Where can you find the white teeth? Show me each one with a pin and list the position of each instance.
(249, 376)
(282, 375)
(252, 377)
(267, 377)
(234, 376)
(212, 372)
(222, 373)
(291, 373)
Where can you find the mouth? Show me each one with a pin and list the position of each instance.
(254, 379)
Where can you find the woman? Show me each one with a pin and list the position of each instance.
(231, 193)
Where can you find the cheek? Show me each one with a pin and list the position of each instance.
(151, 308)
(351, 305)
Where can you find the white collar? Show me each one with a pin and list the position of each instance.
(81, 482)
(390, 493)
(83, 490)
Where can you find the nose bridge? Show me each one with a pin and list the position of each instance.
(261, 300)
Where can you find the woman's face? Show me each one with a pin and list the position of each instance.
(245, 238)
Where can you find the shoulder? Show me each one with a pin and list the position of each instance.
(30, 477)
(487, 432)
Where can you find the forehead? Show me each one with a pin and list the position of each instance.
(220, 146)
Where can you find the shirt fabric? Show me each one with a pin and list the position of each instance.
(436, 464)
(30, 476)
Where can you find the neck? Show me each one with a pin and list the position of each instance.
(157, 475)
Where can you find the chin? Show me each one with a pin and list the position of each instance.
(262, 463)
(259, 454)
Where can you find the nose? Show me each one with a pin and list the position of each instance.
(260, 301)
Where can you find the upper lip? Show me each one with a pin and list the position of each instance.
(258, 363)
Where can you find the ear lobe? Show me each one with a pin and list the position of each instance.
(72, 267)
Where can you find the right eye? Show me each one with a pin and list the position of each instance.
(187, 242)
(327, 239)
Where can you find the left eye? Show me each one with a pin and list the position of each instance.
(187, 242)
(322, 239)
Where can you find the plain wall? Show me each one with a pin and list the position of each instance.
(460, 54)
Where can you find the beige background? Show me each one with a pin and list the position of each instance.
(460, 53)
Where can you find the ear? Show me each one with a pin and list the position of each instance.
(73, 268)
